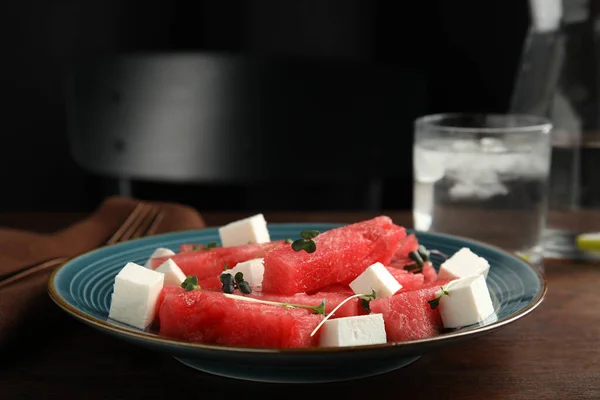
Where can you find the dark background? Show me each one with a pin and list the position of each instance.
(467, 52)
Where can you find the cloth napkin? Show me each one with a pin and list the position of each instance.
(24, 303)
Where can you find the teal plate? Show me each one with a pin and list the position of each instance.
(82, 287)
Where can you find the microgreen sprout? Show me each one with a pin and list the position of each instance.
(211, 245)
(365, 302)
(416, 257)
(424, 253)
(306, 243)
(420, 257)
(230, 283)
(369, 296)
(190, 283)
(434, 303)
(414, 268)
(320, 309)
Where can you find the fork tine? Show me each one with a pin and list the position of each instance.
(128, 222)
(145, 225)
(133, 228)
(152, 229)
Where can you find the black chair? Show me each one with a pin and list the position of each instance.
(225, 131)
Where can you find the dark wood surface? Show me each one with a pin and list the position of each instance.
(552, 353)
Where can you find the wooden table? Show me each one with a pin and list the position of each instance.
(553, 353)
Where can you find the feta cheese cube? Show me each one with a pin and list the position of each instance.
(248, 230)
(464, 263)
(377, 278)
(136, 291)
(353, 331)
(468, 302)
(253, 271)
(173, 274)
(160, 252)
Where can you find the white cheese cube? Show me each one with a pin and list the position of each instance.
(468, 302)
(136, 290)
(353, 331)
(253, 271)
(173, 274)
(160, 252)
(377, 278)
(248, 230)
(464, 263)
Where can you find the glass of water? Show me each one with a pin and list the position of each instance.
(483, 177)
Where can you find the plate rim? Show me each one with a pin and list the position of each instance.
(133, 333)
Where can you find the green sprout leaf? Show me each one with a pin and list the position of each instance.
(288, 241)
(309, 234)
(414, 268)
(416, 257)
(434, 303)
(365, 301)
(298, 245)
(366, 305)
(211, 245)
(226, 279)
(320, 309)
(306, 243)
(424, 253)
(197, 247)
(239, 277)
(244, 287)
(310, 246)
(225, 267)
(230, 283)
(228, 288)
(190, 283)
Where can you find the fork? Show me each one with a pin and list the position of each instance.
(142, 221)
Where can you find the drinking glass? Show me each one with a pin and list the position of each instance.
(483, 177)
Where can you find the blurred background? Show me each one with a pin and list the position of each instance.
(262, 105)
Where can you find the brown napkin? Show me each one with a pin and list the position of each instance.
(24, 303)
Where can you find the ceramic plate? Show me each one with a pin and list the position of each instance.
(82, 287)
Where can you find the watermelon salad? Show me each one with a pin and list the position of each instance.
(366, 283)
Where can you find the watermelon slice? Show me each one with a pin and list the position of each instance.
(166, 290)
(429, 273)
(408, 280)
(210, 263)
(341, 255)
(335, 288)
(408, 316)
(212, 284)
(209, 317)
(408, 244)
